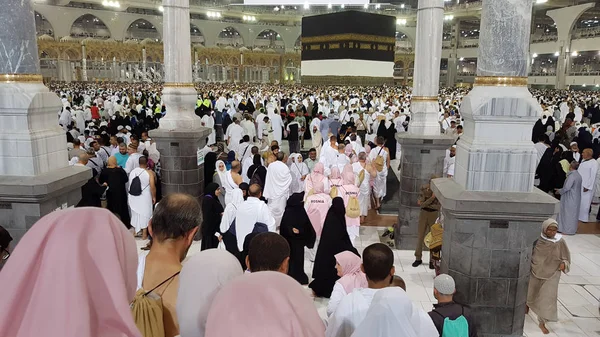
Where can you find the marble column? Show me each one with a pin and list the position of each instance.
(35, 178)
(492, 212)
(144, 76)
(84, 76)
(453, 58)
(423, 147)
(180, 133)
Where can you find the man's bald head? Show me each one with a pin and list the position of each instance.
(112, 161)
(235, 166)
(280, 156)
(83, 158)
(587, 153)
(255, 191)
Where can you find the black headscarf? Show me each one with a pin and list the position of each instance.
(259, 169)
(245, 187)
(295, 217)
(211, 217)
(334, 240)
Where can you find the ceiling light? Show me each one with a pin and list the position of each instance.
(114, 4)
(276, 9)
(306, 5)
(282, 7)
(161, 9)
(461, 59)
(329, 6)
(343, 6)
(534, 55)
(448, 17)
(401, 22)
(366, 6)
(584, 85)
(402, 6)
(377, 6)
(557, 53)
(574, 54)
(540, 1)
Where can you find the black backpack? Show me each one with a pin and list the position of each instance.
(256, 178)
(135, 188)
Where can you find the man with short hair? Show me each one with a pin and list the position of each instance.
(277, 187)
(380, 186)
(234, 134)
(122, 156)
(249, 213)
(235, 172)
(134, 157)
(341, 158)
(174, 223)
(448, 171)
(141, 205)
(329, 152)
(268, 252)
(76, 151)
(588, 170)
(446, 308)
(378, 266)
(293, 133)
(312, 159)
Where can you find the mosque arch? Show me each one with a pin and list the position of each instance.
(141, 29)
(42, 25)
(89, 25)
(229, 36)
(587, 24)
(196, 35)
(269, 38)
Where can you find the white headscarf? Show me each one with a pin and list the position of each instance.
(222, 174)
(201, 278)
(237, 198)
(393, 314)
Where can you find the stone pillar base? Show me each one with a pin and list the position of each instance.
(180, 172)
(488, 240)
(24, 200)
(422, 158)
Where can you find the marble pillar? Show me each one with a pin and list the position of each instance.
(84, 75)
(35, 178)
(492, 212)
(453, 57)
(423, 147)
(180, 134)
(144, 62)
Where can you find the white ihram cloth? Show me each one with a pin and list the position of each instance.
(246, 163)
(350, 313)
(248, 214)
(235, 133)
(277, 125)
(231, 208)
(364, 189)
(380, 187)
(393, 314)
(297, 170)
(209, 122)
(229, 185)
(277, 188)
(588, 170)
(140, 206)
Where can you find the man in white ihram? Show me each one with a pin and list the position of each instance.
(250, 212)
(588, 170)
(277, 187)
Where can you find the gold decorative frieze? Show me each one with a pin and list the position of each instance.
(500, 81)
(20, 78)
(424, 98)
(349, 37)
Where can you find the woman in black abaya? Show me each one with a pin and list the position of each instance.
(212, 210)
(299, 233)
(210, 165)
(334, 239)
(390, 140)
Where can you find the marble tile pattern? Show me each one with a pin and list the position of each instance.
(495, 152)
(504, 38)
(578, 292)
(18, 43)
(176, 40)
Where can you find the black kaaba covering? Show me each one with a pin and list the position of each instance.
(348, 35)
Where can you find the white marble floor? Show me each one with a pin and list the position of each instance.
(578, 292)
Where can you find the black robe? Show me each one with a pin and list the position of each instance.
(116, 196)
(334, 240)
(390, 141)
(211, 217)
(539, 129)
(295, 217)
(210, 163)
(91, 193)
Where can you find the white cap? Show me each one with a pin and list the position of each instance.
(444, 284)
(120, 127)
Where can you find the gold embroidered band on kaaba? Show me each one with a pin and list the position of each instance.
(349, 37)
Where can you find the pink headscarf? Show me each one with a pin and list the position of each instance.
(353, 276)
(367, 149)
(348, 175)
(267, 303)
(317, 206)
(348, 150)
(335, 178)
(73, 274)
(317, 175)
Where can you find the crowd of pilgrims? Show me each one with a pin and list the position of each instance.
(253, 190)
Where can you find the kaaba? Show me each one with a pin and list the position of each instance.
(348, 48)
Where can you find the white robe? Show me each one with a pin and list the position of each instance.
(277, 188)
(140, 206)
(277, 125)
(209, 122)
(380, 187)
(364, 189)
(248, 214)
(235, 133)
(588, 170)
(350, 313)
(246, 163)
(249, 129)
(298, 170)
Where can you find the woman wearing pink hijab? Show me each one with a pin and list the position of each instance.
(317, 175)
(335, 178)
(347, 190)
(73, 274)
(317, 205)
(349, 151)
(348, 268)
(263, 304)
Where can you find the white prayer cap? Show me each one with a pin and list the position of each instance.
(564, 148)
(128, 127)
(120, 127)
(103, 123)
(91, 124)
(573, 143)
(444, 284)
